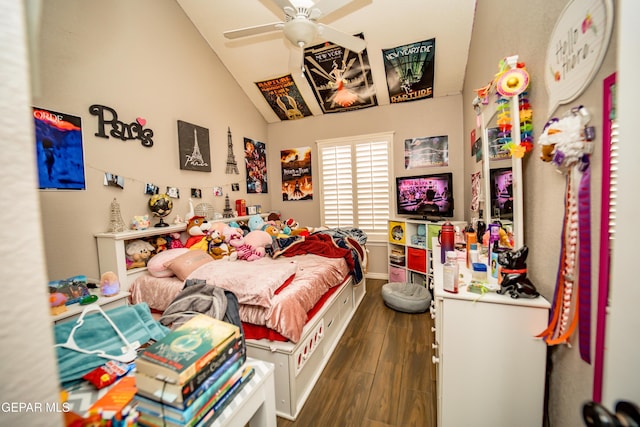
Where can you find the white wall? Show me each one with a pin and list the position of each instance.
(27, 367)
(431, 117)
(144, 59)
(524, 28)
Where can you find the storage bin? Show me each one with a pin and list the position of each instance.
(397, 274)
(417, 259)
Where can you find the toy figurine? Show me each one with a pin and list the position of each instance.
(514, 274)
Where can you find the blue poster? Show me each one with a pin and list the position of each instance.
(59, 150)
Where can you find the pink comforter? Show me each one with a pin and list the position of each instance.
(257, 286)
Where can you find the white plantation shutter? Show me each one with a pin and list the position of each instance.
(337, 188)
(355, 183)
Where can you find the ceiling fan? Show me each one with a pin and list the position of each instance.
(301, 26)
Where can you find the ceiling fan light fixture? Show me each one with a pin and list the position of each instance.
(300, 32)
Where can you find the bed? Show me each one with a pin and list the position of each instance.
(294, 303)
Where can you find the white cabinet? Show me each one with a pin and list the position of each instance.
(490, 367)
(112, 255)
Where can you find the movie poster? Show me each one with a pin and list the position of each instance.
(296, 174)
(285, 99)
(255, 159)
(341, 79)
(410, 70)
(59, 150)
(426, 151)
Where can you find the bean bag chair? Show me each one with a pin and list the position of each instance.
(406, 297)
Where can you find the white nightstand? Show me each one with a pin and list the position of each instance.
(107, 303)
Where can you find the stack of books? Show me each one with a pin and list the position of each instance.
(190, 375)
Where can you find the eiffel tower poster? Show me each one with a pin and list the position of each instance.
(194, 147)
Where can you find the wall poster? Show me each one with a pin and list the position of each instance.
(341, 79)
(296, 174)
(426, 151)
(59, 151)
(193, 142)
(255, 160)
(410, 70)
(285, 99)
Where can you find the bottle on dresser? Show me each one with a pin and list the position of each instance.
(450, 272)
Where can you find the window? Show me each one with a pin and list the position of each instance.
(355, 183)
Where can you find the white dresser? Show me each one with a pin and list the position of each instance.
(490, 367)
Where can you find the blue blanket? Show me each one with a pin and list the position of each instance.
(134, 321)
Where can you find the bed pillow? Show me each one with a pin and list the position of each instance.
(156, 267)
(183, 265)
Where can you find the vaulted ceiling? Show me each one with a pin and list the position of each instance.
(385, 24)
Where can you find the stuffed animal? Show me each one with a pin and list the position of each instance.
(243, 250)
(175, 241)
(138, 253)
(255, 222)
(160, 244)
(197, 228)
(259, 240)
(218, 248)
(140, 222)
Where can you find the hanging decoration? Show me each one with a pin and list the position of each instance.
(513, 81)
(232, 165)
(255, 159)
(567, 143)
(194, 150)
(119, 129)
(297, 183)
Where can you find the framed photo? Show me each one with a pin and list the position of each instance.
(196, 193)
(113, 180)
(173, 192)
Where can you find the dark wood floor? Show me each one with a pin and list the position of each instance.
(380, 375)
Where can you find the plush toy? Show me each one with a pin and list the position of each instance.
(140, 222)
(235, 238)
(259, 240)
(218, 248)
(175, 241)
(197, 228)
(255, 222)
(160, 244)
(138, 253)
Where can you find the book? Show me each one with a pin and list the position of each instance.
(176, 394)
(214, 380)
(186, 350)
(162, 415)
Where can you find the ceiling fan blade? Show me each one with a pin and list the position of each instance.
(328, 6)
(284, 3)
(353, 43)
(253, 31)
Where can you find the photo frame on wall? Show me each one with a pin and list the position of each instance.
(59, 150)
(193, 142)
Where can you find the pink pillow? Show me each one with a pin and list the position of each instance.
(183, 265)
(156, 267)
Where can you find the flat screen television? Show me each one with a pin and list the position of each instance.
(425, 196)
(501, 183)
